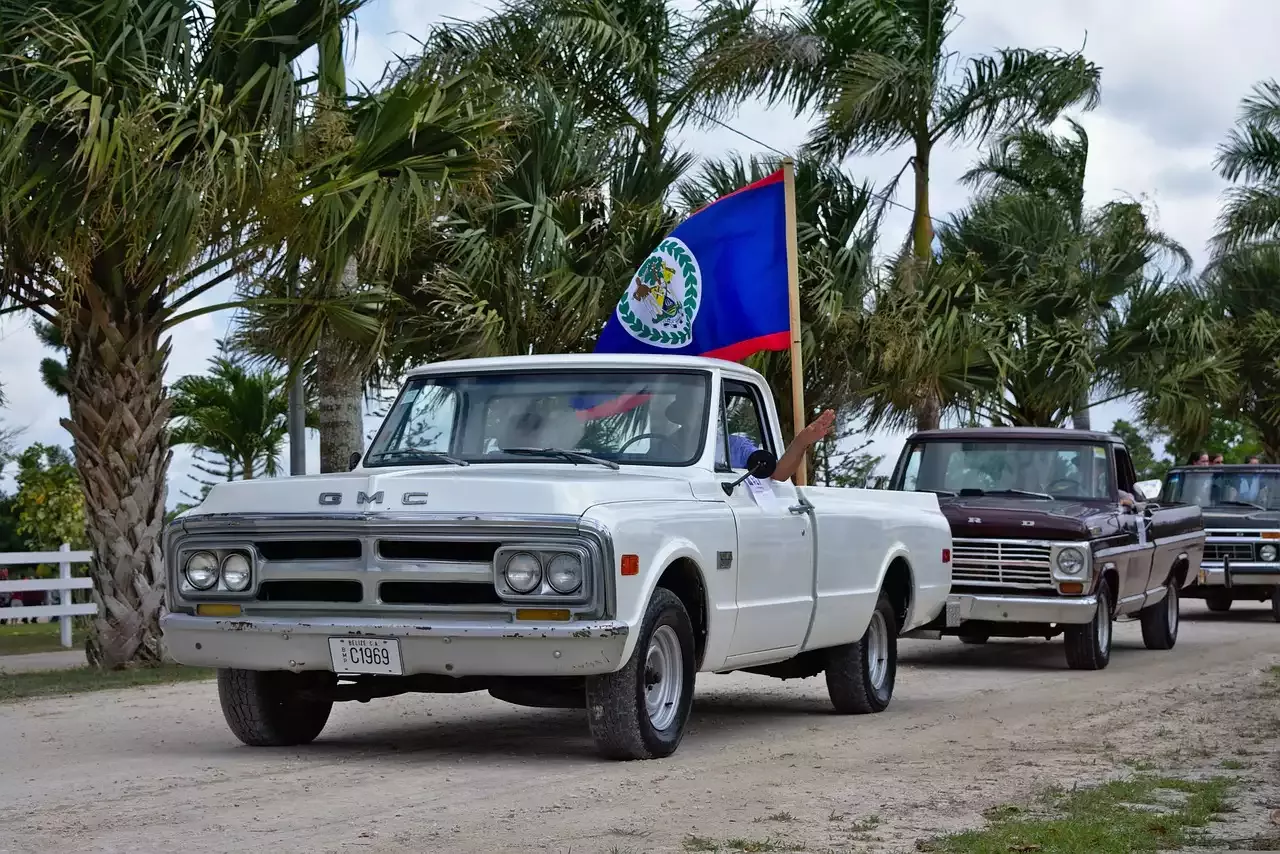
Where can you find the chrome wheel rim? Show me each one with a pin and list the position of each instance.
(1104, 623)
(877, 651)
(663, 677)
(1171, 605)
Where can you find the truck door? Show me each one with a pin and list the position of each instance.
(1135, 576)
(775, 541)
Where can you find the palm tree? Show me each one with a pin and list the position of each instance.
(1251, 158)
(880, 76)
(53, 372)
(138, 137)
(237, 413)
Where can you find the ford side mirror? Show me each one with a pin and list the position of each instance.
(354, 461)
(761, 464)
(1148, 490)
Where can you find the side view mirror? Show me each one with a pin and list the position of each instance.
(760, 464)
(356, 456)
(1148, 490)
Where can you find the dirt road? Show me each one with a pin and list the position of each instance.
(155, 769)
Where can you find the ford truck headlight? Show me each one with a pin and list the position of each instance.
(523, 572)
(201, 570)
(1071, 561)
(564, 573)
(237, 572)
(1267, 552)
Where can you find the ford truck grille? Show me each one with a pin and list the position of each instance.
(1218, 552)
(996, 562)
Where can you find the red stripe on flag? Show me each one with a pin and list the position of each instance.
(616, 406)
(775, 178)
(742, 349)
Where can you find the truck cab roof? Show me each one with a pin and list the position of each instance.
(1032, 434)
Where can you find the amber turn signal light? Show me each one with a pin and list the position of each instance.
(631, 564)
(1071, 588)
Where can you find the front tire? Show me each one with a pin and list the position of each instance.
(269, 708)
(1217, 602)
(641, 711)
(860, 675)
(1160, 621)
(1275, 604)
(1088, 647)
(975, 638)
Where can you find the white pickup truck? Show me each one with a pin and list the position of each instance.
(560, 531)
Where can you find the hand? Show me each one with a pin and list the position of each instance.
(818, 429)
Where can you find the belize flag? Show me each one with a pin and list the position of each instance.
(716, 286)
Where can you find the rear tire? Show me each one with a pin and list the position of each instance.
(975, 639)
(268, 708)
(860, 675)
(1219, 603)
(641, 711)
(1275, 604)
(1160, 621)
(1088, 647)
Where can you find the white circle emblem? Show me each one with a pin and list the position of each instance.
(662, 300)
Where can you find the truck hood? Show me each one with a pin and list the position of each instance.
(1240, 517)
(528, 488)
(1001, 517)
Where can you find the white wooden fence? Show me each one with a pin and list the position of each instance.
(64, 583)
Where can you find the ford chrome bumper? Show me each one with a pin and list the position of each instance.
(1234, 574)
(997, 608)
(441, 647)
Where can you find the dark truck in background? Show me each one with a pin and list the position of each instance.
(1053, 535)
(1241, 507)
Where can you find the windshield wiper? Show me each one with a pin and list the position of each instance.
(574, 457)
(1022, 493)
(944, 492)
(1241, 504)
(420, 455)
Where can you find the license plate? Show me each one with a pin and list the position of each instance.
(366, 655)
(953, 614)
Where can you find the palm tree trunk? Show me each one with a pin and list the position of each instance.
(928, 409)
(1080, 412)
(119, 413)
(340, 392)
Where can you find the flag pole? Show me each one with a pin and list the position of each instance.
(798, 418)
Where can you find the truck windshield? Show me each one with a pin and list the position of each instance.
(570, 417)
(1032, 470)
(1218, 488)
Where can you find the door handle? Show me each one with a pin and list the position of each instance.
(798, 509)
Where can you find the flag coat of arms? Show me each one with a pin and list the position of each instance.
(715, 286)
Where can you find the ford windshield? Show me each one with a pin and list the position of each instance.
(1257, 488)
(575, 417)
(1033, 470)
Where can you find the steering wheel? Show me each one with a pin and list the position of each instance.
(660, 437)
(1068, 482)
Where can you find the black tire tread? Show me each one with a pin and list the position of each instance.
(263, 710)
(1275, 604)
(975, 639)
(1156, 631)
(1217, 604)
(848, 683)
(613, 713)
(1081, 642)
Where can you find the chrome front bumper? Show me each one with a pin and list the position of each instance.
(442, 647)
(996, 608)
(1238, 574)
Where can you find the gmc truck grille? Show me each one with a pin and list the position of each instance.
(993, 562)
(1218, 552)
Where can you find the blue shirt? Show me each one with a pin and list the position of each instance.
(740, 447)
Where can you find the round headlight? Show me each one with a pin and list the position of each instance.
(1070, 561)
(1267, 552)
(202, 570)
(564, 573)
(523, 572)
(236, 572)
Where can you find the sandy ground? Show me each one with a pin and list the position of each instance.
(155, 769)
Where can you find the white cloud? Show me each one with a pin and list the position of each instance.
(1173, 74)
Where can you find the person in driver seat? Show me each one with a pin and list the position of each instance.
(686, 414)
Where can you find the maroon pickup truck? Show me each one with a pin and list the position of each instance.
(1053, 535)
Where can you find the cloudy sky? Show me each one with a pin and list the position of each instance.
(1173, 74)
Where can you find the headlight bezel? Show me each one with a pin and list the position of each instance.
(544, 592)
(215, 569)
(1078, 551)
(219, 589)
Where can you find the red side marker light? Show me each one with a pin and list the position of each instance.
(631, 564)
(946, 555)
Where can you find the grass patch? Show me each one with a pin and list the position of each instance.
(1143, 814)
(26, 638)
(777, 816)
(45, 683)
(1234, 764)
(700, 843)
